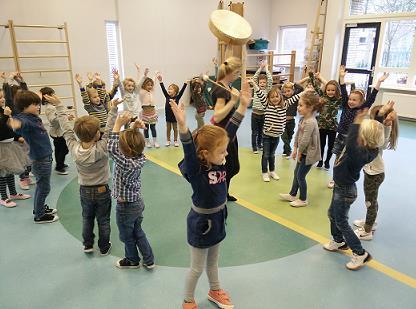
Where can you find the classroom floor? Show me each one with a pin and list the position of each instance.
(272, 256)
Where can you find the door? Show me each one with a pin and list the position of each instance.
(359, 53)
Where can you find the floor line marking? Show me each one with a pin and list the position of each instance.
(388, 271)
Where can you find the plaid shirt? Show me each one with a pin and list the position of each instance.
(126, 179)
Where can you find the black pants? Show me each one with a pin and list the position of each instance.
(152, 128)
(257, 122)
(287, 136)
(61, 150)
(323, 134)
(232, 163)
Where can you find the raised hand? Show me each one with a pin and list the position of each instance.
(386, 108)
(383, 77)
(52, 99)
(214, 61)
(7, 111)
(116, 75)
(90, 76)
(392, 116)
(123, 119)
(116, 102)
(97, 78)
(18, 77)
(138, 124)
(180, 114)
(342, 71)
(146, 72)
(78, 78)
(263, 64)
(159, 76)
(3, 75)
(137, 67)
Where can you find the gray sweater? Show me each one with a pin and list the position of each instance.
(307, 140)
(92, 163)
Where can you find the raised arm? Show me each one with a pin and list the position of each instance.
(15, 124)
(180, 94)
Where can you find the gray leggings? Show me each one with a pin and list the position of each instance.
(200, 259)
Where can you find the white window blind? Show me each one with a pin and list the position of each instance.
(113, 48)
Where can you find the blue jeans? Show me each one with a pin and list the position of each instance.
(42, 170)
(129, 217)
(257, 122)
(96, 203)
(342, 198)
(269, 148)
(299, 179)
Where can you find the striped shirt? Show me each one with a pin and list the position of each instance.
(126, 180)
(275, 115)
(258, 107)
(99, 111)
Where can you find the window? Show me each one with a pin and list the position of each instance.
(113, 47)
(398, 43)
(292, 38)
(365, 7)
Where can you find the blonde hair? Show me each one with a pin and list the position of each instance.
(175, 88)
(228, 66)
(279, 94)
(394, 135)
(129, 79)
(337, 88)
(206, 140)
(91, 91)
(371, 134)
(131, 142)
(360, 93)
(311, 99)
(288, 85)
(86, 128)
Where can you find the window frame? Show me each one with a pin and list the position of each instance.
(384, 19)
(279, 41)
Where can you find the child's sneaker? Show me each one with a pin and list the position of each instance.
(107, 251)
(156, 144)
(274, 175)
(363, 235)
(167, 144)
(8, 203)
(147, 143)
(320, 163)
(298, 203)
(189, 306)
(361, 223)
(335, 246)
(287, 197)
(88, 249)
(47, 218)
(61, 171)
(126, 264)
(266, 177)
(221, 298)
(19, 196)
(255, 151)
(331, 184)
(30, 181)
(149, 266)
(23, 184)
(176, 144)
(358, 261)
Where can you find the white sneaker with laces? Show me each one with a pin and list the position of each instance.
(335, 246)
(287, 197)
(274, 175)
(361, 223)
(298, 203)
(331, 184)
(176, 144)
(266, 177)
(358, 261)
(363, 235)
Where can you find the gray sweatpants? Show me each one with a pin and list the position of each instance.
(200, 259)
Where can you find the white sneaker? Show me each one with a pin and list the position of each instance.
(358, 261)
(147, 143)
(274, 175)
(335, 246)
(331, 184)
(361, 223)
(266, 177)
(287, 197)
(255, 151)
(298, 203)
(167, 144)
(156, 144)
(363, 235)
(176, 144)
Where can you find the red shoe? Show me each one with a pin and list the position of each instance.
(189, 306)
(221, 298)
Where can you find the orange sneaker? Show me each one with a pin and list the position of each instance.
(221, 298)
(189, 306)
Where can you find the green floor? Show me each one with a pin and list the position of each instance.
(263, 264)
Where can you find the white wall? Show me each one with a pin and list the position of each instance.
(86, 34)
